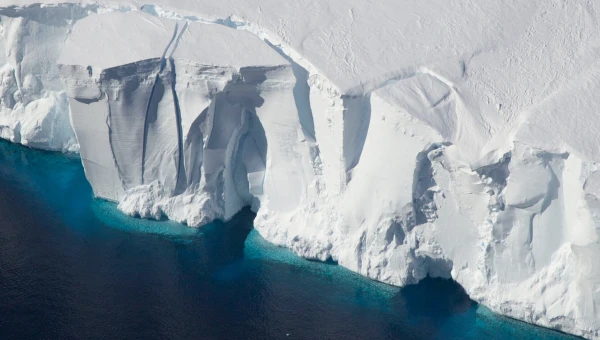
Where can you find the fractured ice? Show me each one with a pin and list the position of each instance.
(400, 139)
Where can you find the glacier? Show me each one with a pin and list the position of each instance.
(400, 139)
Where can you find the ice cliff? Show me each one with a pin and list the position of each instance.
(400, 139)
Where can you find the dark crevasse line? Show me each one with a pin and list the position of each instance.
(146, 123)
(152, 99)
(301, 90)
(147, 113)
(181, 178)
(174, 38)
(175, 43)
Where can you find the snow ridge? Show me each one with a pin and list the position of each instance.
(431, 167)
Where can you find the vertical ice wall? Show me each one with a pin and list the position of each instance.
(33, 107)
(190, 126)
(393, 180)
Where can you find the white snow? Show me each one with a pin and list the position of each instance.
(399, 138)
(33, 107)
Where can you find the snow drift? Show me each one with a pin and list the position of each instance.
(399, 139)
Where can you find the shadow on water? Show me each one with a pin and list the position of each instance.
(72, 267)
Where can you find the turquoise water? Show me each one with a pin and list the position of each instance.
(73, 267)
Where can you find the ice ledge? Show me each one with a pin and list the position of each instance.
(436, 169)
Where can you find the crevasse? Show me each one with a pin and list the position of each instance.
(398, 176)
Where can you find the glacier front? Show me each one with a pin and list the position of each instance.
(400, 139)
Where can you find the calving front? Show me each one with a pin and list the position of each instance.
(398, 169)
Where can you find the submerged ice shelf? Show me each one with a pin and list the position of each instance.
(464, 150)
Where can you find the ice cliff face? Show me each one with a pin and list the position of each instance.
(450, 141)
(185, 126)
(33, 106)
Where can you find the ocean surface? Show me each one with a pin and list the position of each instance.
(74, 267)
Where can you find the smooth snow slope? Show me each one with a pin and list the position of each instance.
(399, 138)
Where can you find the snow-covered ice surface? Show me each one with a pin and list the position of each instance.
(33, 106)
(399, 138)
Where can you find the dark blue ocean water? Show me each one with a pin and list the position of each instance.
(72, 267)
